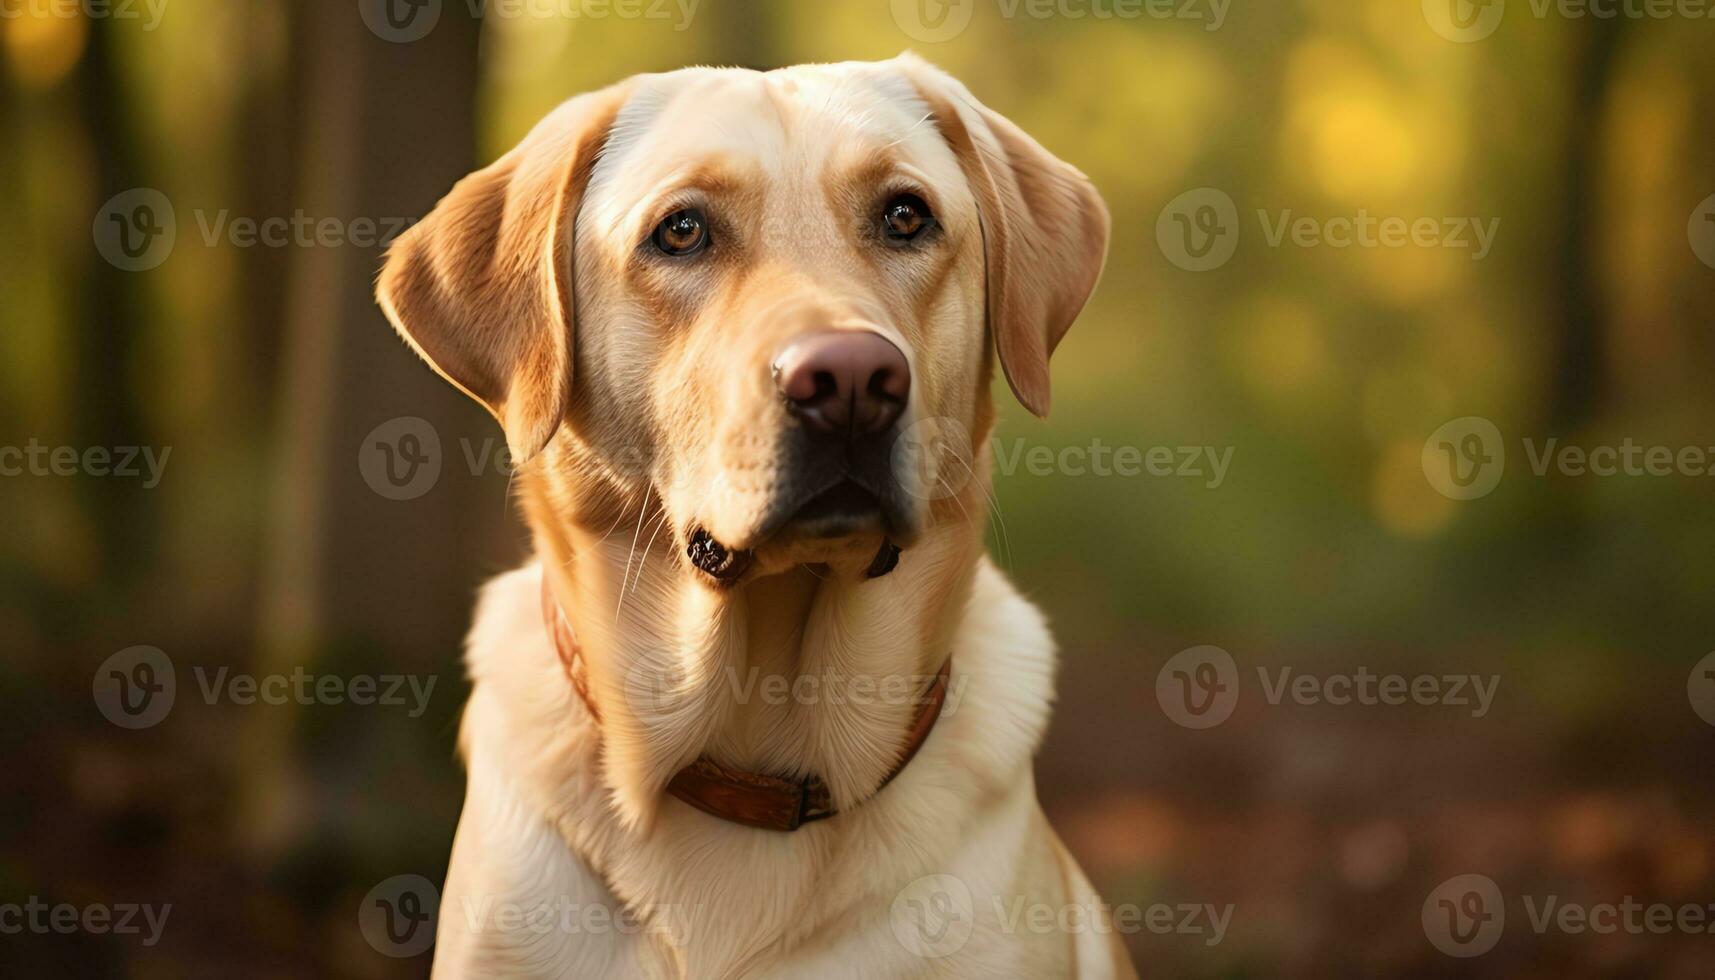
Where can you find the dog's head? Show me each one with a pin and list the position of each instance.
(767, 301)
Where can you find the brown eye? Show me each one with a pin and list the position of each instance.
(682, 233)
(906, 217)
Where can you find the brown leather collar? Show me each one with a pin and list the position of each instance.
(748, 798)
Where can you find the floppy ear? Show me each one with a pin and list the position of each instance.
(1045, 229)
(482, 286)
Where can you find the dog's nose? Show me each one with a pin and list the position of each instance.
(849, 382)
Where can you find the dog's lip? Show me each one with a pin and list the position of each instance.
(841, 505)
(844, 502)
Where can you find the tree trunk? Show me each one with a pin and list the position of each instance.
(387, 129)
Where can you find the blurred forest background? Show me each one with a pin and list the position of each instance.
(1324, 549)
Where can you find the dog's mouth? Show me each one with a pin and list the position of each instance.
(838, 519)
(842, 509)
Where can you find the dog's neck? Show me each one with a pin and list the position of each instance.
(807, 672)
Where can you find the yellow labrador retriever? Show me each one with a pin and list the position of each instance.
(762, 707)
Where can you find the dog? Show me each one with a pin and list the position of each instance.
(761, 706)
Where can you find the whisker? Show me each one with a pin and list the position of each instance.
(641, 510)
(643, 563)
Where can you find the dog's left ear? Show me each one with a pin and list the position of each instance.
(1045, 229)
(482, 286)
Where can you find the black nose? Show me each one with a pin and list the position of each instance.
(844, 382)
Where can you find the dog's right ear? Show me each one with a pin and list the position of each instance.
(482, 286)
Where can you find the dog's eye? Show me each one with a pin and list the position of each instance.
(682, 233)
(906, 217)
